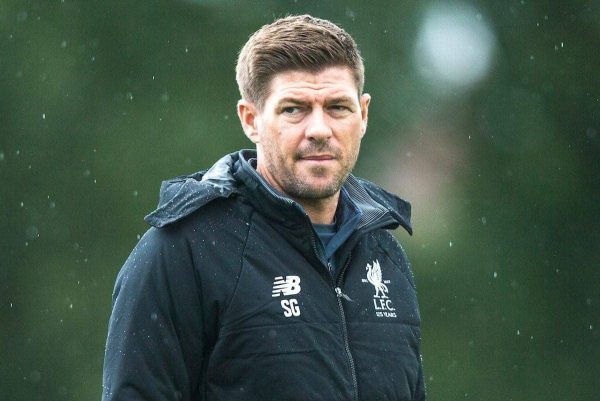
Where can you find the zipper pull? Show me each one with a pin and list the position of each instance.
(340, 294)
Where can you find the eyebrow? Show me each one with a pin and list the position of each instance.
(334, 100)
(340, 99)
(292, 101)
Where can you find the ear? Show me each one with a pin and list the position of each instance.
(248, 115)
(365, 100)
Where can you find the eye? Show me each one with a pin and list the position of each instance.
(340, 109)
(291, 110)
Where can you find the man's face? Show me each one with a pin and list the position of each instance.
(308, 132)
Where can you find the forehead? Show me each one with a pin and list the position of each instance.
(330, 82)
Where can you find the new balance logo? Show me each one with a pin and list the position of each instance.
(288, 285)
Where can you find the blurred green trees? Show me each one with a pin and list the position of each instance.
(101, 100)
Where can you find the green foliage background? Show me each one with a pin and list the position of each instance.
(101, 100)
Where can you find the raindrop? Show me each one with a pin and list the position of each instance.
(32, 232)
(63, 44)
(87, 173)
(154, 316)
(164, 97)
(495, 274)
(71, 306)
(52, 205)
(350, 14)
(518, 332)
(1, 156)
(129, 96)
(135, 193)
(43, 116)
(22, 204)
(483, 220)
(450, 243)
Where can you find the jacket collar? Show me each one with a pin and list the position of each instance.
(234, 174)
(375, 203)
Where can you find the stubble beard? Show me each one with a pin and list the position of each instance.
(301, 186)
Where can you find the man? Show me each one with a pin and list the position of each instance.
(271, 276)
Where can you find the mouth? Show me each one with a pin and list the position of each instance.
(318, 158)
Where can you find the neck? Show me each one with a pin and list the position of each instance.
(320, 211)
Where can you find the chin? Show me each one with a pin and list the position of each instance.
(318, 191)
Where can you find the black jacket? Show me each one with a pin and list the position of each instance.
(228, 297)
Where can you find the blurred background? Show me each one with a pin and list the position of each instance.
(485, 116)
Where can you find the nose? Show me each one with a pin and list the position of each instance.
(317, 127)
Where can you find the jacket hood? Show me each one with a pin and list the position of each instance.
(183, 195)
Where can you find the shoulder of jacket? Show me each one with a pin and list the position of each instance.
(386, 240)
(221, 211)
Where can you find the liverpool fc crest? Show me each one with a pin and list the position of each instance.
(381, 302)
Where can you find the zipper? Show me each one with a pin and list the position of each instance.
(340, 295)
(375, 223)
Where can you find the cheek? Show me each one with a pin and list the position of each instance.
(277, 146)
(352, 137)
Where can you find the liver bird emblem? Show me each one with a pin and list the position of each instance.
(374, 277)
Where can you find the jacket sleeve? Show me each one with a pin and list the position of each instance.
(154, 349)
(420, 392)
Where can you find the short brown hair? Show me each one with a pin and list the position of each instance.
(300, 42)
